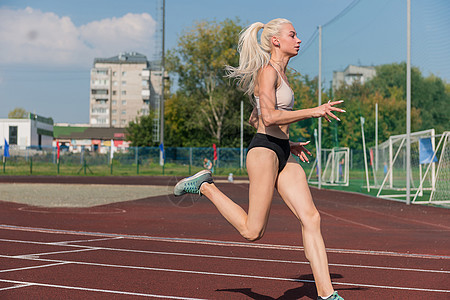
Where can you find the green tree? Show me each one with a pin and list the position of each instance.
(430, 95)
(206, 107)
(17, 113)
(140, 132)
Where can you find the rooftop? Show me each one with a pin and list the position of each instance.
(124, 58)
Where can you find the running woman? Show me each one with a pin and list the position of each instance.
(262, 73)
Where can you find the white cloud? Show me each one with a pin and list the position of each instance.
(30, 36)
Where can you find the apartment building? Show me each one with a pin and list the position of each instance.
(123, 87)
(352, 74)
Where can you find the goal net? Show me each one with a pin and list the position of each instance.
(441, 192)
(389, 170)
(335, 167)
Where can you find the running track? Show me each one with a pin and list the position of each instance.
(153, 248)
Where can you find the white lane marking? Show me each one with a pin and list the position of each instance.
(349, 221)
(33, 267)
(56, 252)
(220, 243)
(15, 287)
(88, 248)
(244, 276)
(84, 241)
(97, 290)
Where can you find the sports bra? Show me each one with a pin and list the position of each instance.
(284, 96)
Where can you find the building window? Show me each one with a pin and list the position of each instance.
(124, 82)
(13, 135)
(114, 102)
(124, 73)
(123, 122)
(99, 92)
(145, 83)
(114, 111)
(102, 72)
(114, 83)
(147, 102)
(114, 122)
(124, 112)
(101, 101)
(99, 110)
(114, 92)
(124, 102)
(124, 92)
(114, 73)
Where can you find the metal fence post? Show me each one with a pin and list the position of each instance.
(190, 160)
(137, 160)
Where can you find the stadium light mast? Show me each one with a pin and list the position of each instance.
(319, 88)
(161, 105)
(408, 101)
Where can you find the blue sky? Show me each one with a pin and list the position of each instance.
(48, 46)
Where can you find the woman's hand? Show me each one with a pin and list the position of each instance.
(298, 149)
(253, 120)
(325, 110)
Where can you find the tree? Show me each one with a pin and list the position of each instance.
(17, 113)
(430, 95)
(206, 103)
(140, 132)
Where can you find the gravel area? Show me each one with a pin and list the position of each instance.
(77, 195)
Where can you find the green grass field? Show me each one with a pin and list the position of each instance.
(357, 182)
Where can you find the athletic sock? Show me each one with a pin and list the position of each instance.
(324, 298)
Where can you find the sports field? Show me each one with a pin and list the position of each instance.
(124, 237)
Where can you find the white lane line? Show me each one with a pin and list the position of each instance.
(15, 287)
(349, 221)
(84, 241)
(220, 243)
(56, 252)
(97, 290)
(33, 267)
(244, 276)
(88, 248)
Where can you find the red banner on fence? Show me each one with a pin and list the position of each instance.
(215, 151)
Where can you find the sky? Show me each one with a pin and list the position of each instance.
(47, 47)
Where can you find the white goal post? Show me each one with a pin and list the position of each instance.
(336, 169)
(440, 194)
(391, 165)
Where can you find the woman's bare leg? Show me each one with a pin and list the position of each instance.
(262, 168)
(293, 188)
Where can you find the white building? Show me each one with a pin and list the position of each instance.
(352, 74)
(123, 87)
(35, 132)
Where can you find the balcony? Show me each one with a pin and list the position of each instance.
(145, 74)
(145, 94)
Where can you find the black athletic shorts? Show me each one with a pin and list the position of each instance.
(279, 146)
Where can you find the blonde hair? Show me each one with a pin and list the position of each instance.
(254, 55)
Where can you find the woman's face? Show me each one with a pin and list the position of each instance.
(288, 41)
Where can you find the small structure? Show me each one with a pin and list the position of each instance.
(76, 138)
(32, 132)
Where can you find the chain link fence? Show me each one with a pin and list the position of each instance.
(129, 161)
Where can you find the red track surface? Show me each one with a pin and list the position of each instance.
(151, 247)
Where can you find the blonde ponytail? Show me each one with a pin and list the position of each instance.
(253, 55)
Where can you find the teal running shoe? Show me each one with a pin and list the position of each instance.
(192, 184)
(333, 296)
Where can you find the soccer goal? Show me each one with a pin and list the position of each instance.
(391, 165)
(441, 192)
(335, 167)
